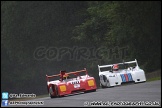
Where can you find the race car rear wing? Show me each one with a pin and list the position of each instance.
(67, 73)
(135, 61)
(104, 66)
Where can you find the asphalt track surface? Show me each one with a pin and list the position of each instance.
(148, 92)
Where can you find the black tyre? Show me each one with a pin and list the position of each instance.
(51, 91)
(102, 86)
(107, 83)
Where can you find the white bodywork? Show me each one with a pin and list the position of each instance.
(110, 78)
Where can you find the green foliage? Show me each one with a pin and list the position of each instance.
(134, 24)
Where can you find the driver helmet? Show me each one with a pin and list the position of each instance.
(65, 76)
(115, 67)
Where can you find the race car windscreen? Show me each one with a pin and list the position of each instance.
(126, 65)
(76, 74)
(121, 67)
(105, 69)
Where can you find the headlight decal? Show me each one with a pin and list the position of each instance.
(90, 82)
(63, 88)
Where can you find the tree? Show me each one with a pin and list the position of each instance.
(122, 23)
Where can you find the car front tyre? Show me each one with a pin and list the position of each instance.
(51, 93)
(107, 83)
(102, 86)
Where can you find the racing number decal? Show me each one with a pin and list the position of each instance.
(76, 84)
(126, 77)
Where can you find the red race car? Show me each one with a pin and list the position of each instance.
(70, 82)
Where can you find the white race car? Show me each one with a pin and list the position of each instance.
(116, 74)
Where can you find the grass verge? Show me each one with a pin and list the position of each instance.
(154, 79)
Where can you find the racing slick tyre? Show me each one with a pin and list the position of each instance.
(106, 82)
(102, 86)
(51, 93)
(57, 94)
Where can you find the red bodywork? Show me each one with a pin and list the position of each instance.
(67, 86)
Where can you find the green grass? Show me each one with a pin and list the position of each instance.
(154, 79)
